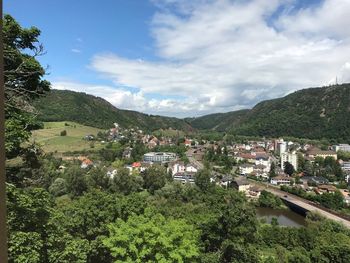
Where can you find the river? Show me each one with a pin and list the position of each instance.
(285, 217)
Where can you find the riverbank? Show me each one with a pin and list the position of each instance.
(284, 216)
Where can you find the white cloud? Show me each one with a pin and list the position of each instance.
(75, 50)
(328, 20)
(125, 99)
(224, 55)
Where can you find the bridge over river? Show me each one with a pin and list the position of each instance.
(290, 199)
(303, 204)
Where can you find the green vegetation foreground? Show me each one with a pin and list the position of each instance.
(178, 223)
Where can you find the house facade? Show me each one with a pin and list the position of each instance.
(280, 180)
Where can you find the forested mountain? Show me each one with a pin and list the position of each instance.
(64, 105)
(313, 113)
(218, 121)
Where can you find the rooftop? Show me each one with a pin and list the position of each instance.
(241, 181)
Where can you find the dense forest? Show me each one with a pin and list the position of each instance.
(64, 105)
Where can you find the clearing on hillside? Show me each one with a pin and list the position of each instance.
(51, 140)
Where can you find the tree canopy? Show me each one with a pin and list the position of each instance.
(153, 238)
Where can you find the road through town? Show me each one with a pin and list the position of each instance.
(192, 160)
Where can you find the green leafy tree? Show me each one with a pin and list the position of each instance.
(234, 220)
(73, 250)
(153, 238)
(308, 168)
(237, 253)
(154, 178)
(211, 257)
(58, 187)
(111, 152)
(345, 156)
(202, 180)
(126, 183)
(76, 181)
(299, 255)
(138, 151)
(237, 221)
(288, 168)
(267, 199)
(28, 216)
(25, 247)
(97, 178)
(319, 161)
(118, 164)
(86, 218)
(301, 162)
(23, 81)
(272, 172)
(331, 200)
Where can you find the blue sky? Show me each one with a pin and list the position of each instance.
(73, 31)
(189, 58)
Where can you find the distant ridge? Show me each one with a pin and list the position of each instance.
(218, 121)
(66, 105)
(313, 113)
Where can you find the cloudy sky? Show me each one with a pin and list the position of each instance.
(190, 58)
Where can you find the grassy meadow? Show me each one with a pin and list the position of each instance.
(51, 140)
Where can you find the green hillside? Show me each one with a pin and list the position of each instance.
(62, 105)
(218, 121)
(50, 140)
(313, 113)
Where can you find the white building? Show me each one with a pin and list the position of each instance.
(245, 169)
(292, 158)
(184, 178)
(159, 157)
(265, 161)
(261, 171)
(345, 166)
(178, 167)
(190, 168)
(280, 146)
(347, 178)
(342, 147)
(280, 180)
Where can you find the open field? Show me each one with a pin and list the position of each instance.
(51, 141)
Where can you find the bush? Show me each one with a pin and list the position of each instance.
(63, 133)
(267, 199)
(58, 187)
